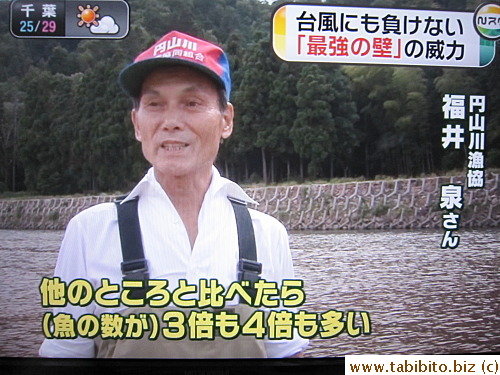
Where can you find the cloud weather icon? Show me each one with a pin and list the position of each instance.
(106, 25)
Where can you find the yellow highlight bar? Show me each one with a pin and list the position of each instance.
(279, 32)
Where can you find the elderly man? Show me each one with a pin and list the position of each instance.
(181, 224)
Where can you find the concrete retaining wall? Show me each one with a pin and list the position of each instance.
(395, 204)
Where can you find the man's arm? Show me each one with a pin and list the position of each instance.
(70, 266)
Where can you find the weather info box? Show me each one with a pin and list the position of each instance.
(69, 19)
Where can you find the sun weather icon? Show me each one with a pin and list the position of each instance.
(88, 16)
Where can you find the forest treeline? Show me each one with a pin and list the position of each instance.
(65, 126)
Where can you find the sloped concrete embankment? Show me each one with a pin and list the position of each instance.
(394, 204)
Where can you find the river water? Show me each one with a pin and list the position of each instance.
(420, 299)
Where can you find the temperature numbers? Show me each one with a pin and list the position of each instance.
(38, 19)
(31, 27)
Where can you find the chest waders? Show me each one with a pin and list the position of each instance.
(135, 267)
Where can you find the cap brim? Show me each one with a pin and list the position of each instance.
(133, 75)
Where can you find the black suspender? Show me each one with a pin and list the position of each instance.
(135, 266)
(248, 267)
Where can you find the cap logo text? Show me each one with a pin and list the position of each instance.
(174, 43)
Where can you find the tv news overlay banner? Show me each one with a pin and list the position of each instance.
(355, 35)
(422, 364)
(69, 19)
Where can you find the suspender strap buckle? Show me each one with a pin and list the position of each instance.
(134, 265)
(249, 270)
(136, 269)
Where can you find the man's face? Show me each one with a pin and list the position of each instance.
(179, 121)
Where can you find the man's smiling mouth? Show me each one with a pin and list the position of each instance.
(173, 146)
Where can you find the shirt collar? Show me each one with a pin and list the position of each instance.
(218, 185)
(227, 187)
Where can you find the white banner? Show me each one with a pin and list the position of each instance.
(353, 35)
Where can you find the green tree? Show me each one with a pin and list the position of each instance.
(45, 133)
(282, 114)
(104, 148)
(326, 114)
(12, 106)
(312, 129)
(394, 123)
(370, 88)
(252, 99)
(407, 113)
(61, 61)
(344, 136)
